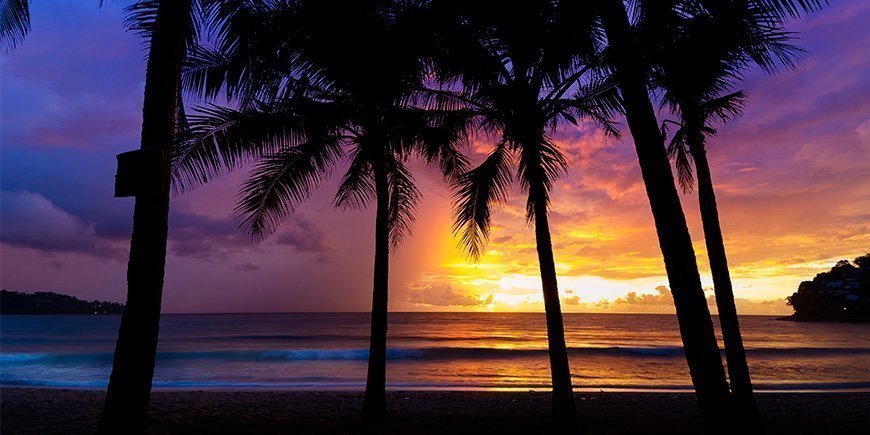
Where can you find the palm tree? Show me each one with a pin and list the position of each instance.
(318, 82)
(169, 27)
(14, 22)
(696, 326)
(697, 71)
(632, 73)
(523, 70)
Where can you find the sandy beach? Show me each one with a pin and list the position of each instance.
(45, 411)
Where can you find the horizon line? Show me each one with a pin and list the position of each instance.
(444, 312)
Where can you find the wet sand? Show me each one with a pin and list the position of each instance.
(45, 411)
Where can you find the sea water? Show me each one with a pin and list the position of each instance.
(425, 351)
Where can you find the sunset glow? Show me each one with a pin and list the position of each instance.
(436, 216)
(791, 179)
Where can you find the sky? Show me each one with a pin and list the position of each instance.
(791, 177)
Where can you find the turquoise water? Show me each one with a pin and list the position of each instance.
(426, 350)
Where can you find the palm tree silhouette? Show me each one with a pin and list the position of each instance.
(169, 27)
(318, 82)
(523, 70)
(14, 22)
(632, 73)
(705, 55)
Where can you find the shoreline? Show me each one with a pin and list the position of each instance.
(31, 410)
(444, 389)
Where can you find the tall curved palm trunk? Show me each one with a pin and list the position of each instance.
(375, 403)
(564, 407)
(696, 326)
(129, 390)
(735, 354)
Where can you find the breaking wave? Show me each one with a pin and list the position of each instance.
(430, 353)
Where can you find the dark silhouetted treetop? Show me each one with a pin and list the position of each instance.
(698, 59)
(523, 71)
(312, 84)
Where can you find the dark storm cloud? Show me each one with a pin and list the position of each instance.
(304, 235)
(205, 238)
(30, 220)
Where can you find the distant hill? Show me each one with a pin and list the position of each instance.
(53, 303)
(841, 294)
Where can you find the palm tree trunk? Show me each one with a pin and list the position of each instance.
(129, 390)
(735, 354)
(564, 408)
(375, 403)
(696, 325)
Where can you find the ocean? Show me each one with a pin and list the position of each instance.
(454, 351)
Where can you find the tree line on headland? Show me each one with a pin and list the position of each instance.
(310, 84)
(53, 303)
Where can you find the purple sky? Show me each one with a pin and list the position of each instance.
(791, 173)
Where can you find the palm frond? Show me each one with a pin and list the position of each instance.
(247, 56)
(14, 22)
(357, 186)
(219, 140)
(726, 108)
(678, 149)
(445, 100)
(435, 135)
(204, 73)
(757, 31)
(539, 166)
(598, 100)
(141, 18)
(404, 197)
(279, 182)
(476, 193)
(794, 8)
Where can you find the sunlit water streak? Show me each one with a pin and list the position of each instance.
(427, 351)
